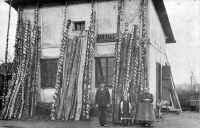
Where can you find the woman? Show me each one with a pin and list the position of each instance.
(146, 113)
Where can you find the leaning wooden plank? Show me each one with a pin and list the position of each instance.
(65, 91)
(19, 85)
(62, 103)
(73, 111)
(71, 81)
(91, 56)
(26, 41)
(74, 91)
(37, 69)
(118, 60)
(74, 77)
(65, 29)
(80, 78)
(68, 51)
(63, 72)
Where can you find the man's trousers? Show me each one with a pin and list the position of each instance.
(102, 115)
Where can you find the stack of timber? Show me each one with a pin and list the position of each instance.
(21, 97)
(71, 100)
(131, 55)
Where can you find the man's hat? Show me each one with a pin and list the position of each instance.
(101, 81)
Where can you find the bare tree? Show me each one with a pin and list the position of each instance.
(192, 70)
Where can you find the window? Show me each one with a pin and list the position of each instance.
(104, 70)
(78, 26)
(48, 72)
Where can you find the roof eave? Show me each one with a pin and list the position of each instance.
(163, 17)
(15, 3)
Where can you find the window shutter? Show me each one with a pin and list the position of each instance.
(166, 72)
(166, 82)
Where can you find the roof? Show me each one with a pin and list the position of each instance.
(159, 6)
(162, 14)
(15, 3)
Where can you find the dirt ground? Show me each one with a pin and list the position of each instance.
(171, 120)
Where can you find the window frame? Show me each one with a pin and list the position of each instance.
(106, 75)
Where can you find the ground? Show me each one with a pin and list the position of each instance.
(171, 120)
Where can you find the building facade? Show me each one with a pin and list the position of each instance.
(51, 17)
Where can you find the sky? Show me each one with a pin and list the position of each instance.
(4, 9)
(183, 56)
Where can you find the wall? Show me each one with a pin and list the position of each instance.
(156, 47)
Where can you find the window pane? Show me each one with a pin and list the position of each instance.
(78, 27)
(110, 79)
(47, 82)
(48, 72)
(102, 62)
(102, 72)
(54, 68)
(110, 72)
(111, 62)
(101, 79)
(82, 26)
(53, 81)
(54, 72)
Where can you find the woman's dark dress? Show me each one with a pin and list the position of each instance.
(146, 113)
(126, 114)
(126, 108)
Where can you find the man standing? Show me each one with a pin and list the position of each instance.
(102, 101)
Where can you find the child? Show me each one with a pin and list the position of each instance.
(125, 110)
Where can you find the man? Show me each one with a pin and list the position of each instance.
(102, 101)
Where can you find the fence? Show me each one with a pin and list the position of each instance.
(185, 96)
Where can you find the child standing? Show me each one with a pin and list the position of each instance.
(125, 110)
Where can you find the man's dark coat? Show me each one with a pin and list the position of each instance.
(102, 97)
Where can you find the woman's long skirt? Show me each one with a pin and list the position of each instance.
(146, 113)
